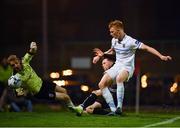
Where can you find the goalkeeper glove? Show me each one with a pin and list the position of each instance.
(33, 48)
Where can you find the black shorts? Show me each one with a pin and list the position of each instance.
(101, 111)
(47, 91)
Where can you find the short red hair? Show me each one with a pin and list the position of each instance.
(117, 24)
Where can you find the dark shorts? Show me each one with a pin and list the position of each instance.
(101, 111)
(47, 91)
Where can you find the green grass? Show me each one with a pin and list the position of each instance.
(68, 119)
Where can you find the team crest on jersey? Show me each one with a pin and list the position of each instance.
(123, 45)
(137, 42)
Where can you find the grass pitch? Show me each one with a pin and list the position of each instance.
(68, 119)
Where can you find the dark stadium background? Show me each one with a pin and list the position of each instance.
(72, 28)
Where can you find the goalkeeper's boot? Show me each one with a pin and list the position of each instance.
(78, 110)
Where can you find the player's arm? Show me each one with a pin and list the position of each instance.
(28, 56)
(99, 54)
(155, 52)
(110, 51)
(21, 92)
(33, 48)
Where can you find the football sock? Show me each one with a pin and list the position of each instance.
(70, 103)
(109, 99)
(89, 100)
(120, 95)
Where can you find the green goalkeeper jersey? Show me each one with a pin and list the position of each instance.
(30, 80)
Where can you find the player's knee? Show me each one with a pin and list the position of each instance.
(63, 97)
(66, 97)
(64, 91)
(94, 92)
(61, 89)
(119, 79)
(123, 76)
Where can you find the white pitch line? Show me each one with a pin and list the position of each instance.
(163, 122)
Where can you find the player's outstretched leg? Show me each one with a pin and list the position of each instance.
(88, 101)
(120, 97)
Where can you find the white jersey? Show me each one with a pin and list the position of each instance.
(125, 51)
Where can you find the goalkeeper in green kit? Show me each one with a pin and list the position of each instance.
(32, 83)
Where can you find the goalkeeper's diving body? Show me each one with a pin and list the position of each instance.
(32, 83)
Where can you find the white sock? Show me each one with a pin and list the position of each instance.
(70, 103)
(109, 99)
(120, 94)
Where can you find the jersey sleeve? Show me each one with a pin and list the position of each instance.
(135, 44)
(27, 58)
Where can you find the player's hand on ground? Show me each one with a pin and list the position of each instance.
(166, 58)
(89, 109)
(33, 47)
(96, 59)
(20, 92)
(98, 52)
